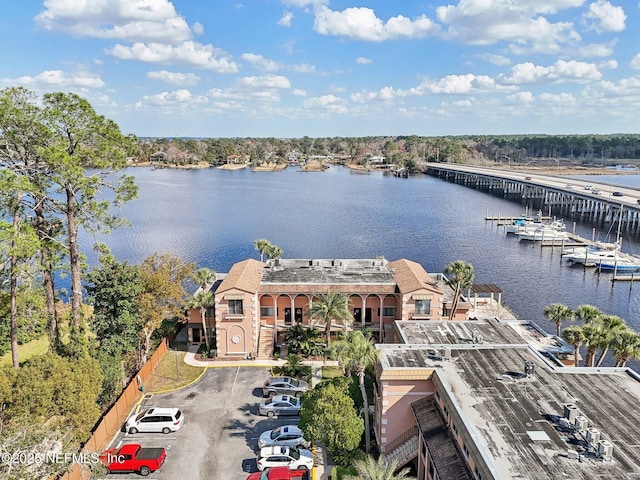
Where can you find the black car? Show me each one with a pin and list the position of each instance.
(617, 194)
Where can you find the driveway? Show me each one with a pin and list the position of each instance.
(220, 435)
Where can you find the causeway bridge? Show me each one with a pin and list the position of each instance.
(589, 202)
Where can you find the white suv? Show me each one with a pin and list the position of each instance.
(285, 457)
(154, 419)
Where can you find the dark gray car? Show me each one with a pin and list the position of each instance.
(284, 386)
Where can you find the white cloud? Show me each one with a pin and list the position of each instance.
(461, 85)
(604, 17)
(329, 103)
(521, 97)
(166, 102)
(190, 53)
(635, 62)
(60, 79)
(561, 71)
(285, 20)
(267, 81)
(596, 50)
(495, 59)
(361, 23)
(260, 62)
(299, 93)
(304, 68)
(128, 20)
(485, 22)
(363, 60)
(627, 87)
(556, 99)
(174, 78)
(303, 3)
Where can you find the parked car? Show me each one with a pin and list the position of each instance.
(280, 405)
(285, 457)
(132, 457)
(284, 386)
(595, 191)
(165, 420)
(284, 436)
(280, 473)
(588, 187)
(617, 194)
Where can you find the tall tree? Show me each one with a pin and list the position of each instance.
(625, 346)
(460, 277)
(204, 298)
(78, 140)
(274, 252)
(594, 334)
(164, 278)
(328, 307)
(612, 325)
(587, 313)
(574, 336)
(558, 313)
(356, 354)
(371, 469)
(262, 245)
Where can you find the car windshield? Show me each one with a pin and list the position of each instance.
(264, 475)
(275, 433)
(178, 414)
(294, 453)
(268, 401)
(295, 382)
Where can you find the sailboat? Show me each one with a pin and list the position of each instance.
(620, 262)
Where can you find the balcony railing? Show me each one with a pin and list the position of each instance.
(413, 315)
(234, 316)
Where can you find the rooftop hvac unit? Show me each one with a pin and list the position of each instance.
(446, 354)
(605, 449)
(529, 367)
(570, 412)
(581, 423)
(593, 436)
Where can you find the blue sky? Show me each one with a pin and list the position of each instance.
(323, 68)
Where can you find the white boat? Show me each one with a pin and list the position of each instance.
(591, 254)
(620, 263)
(552, 232)
(522, 225)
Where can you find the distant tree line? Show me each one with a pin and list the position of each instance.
(407, 151)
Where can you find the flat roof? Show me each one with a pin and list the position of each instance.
(515, 419)
(327, 271)
(484, 332)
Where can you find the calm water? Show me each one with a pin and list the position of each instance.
(212, 217)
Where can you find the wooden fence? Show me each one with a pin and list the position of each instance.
(113, 419)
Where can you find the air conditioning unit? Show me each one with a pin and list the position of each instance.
(570, 412)
(605, 449)
(446, 354)
(581, 423)
(593, 436)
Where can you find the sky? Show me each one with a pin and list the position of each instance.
(326, 68)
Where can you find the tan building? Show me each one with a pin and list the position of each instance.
(256, 302)
(492, 399)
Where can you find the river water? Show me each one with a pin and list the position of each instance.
(211, 217)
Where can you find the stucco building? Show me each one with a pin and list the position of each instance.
(256, 302)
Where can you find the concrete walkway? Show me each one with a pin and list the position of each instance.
(321, 470)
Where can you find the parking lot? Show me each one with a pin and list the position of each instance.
(219, 439)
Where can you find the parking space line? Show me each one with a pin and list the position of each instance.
(235, 379)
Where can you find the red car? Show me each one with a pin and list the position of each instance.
(131, 457)
(280, 473)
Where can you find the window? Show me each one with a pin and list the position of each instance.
(389, 312)
(235, 307)
(267, 311)
(423, 307)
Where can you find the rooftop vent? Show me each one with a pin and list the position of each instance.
(570, 412)
(581, 423)
(593, 436)
(605, 450)
(529, 368)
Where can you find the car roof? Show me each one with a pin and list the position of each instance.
(160, 410)
(278, 450)
(290, 429)
(284, 398)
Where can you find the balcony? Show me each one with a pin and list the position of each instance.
(234, 316)
(417, 315)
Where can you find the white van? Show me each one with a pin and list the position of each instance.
(154, 419)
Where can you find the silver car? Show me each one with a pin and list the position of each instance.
(285, 436)
(280, 405)
(284, 386)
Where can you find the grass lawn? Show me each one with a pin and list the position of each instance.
(331, 372)
(165, 377)
(28, 350)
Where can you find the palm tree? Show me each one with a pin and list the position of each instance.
(327, 307)
(557, 313)
(357, 353)
(262, 245)
(274, 252)
(371, 469)
(574, 336)
(625, 346)
(593, 336)
(587, 313)
(461, 277)
(612, 325)
(202, 300)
